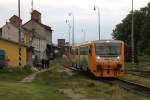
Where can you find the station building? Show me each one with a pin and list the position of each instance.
(12, 51)
(34, 39)
(9, 37)
(41, 34)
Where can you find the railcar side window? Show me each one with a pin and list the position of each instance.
(84, 51)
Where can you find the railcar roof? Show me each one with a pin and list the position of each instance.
(98, 41)
(83, 43)
(107, 41)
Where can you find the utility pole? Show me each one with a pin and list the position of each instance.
(67, 22)
(84, 33)
(69, 26)
(99, 27)
(19, 31)
(70, 14)
(73, 52)
(132, 34)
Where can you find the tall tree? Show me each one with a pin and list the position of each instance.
(141, 30)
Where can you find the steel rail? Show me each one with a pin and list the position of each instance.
(139, 73)
(138, 88)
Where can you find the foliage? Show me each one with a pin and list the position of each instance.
(141, 30)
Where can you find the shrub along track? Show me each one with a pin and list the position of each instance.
(130, 86)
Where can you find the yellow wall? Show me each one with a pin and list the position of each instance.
(11, 49)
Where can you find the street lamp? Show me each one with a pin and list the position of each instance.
(67, 22)
(96, 7)
(70, 14)
(132, 35)
(84, 34)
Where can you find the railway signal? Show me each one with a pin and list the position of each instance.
(19, 31)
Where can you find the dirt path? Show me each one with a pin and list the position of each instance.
(32, 76)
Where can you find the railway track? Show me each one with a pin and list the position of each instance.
(72, 68)
(139, 73)
(130, 86)
(138, 88)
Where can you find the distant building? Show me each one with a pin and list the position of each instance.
(61, 43)
(41, 34)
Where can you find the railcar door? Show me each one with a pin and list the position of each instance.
(84, 59)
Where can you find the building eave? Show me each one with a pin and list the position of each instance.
(12, 41)
(48, 28)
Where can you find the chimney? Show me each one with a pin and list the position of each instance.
(15, 20)
(35, 15)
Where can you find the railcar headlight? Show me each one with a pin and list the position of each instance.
(118, 57)
(98, 57)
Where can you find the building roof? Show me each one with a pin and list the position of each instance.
(48, 28)
(15, 16)
(35, 11)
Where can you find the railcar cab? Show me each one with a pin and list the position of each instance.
(109, 55)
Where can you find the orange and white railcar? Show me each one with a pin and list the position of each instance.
(102, 58)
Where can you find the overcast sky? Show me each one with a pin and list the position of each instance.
(55, 12)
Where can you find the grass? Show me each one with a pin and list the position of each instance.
(143, 65)
(83, 88)
(21, 91)
(12, 89)
(14, 74)
(57, 84)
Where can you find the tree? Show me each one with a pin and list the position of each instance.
(141, 30)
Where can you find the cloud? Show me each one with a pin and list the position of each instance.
(55, 12)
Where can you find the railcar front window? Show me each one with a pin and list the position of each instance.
(108, 49)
